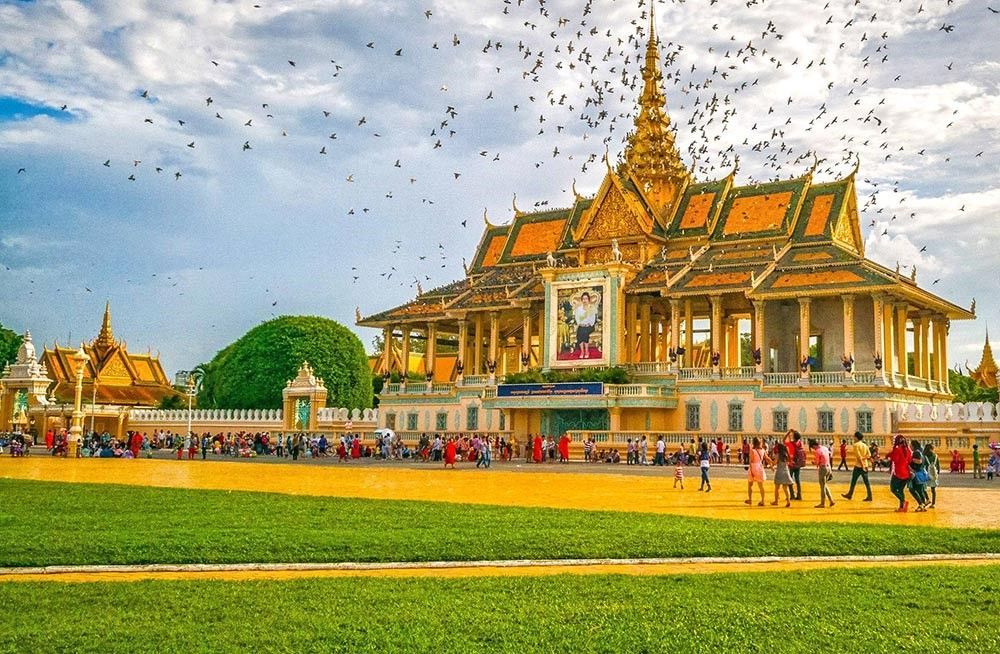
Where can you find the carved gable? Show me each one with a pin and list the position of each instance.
(115, 370)
(614, 217)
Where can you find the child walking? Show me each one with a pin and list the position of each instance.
(679, 474)
(704, 459)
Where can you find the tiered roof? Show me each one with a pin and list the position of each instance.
(767, 240)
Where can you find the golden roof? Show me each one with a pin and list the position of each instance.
(122, 378)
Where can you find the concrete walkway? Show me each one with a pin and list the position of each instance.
(582, 489)
(451, 569)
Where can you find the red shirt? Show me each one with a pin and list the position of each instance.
(900, 457)
(790, 446)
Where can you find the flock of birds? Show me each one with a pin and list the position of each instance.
(573, 81)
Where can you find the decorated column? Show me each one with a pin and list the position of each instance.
(645, 319)
(758, 337)
(925, 345)
(431, 351)
(491, 364)
(405, 355)
(878, 337)
(525, 339)
(848, 301)
(804, 320)
(716, 303)
(386, 350)
(688, 332)
(675, 330)
(463, 346)
(901, 363)
(477, 346)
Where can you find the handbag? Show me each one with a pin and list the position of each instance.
(922, 476)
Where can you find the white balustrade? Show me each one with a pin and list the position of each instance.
(781, 378)
(742, 372)
(475, 380)
(696, 373)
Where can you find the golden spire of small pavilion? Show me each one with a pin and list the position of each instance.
(986, 374)
(651, 154)
(106, 338)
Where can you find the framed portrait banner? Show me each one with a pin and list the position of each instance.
(579, 315)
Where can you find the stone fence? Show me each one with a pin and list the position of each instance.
(956, 412)
(226, 420)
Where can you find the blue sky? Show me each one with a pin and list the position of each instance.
(191, 263)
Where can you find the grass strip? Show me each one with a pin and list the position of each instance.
(46, 523)
(928, 609)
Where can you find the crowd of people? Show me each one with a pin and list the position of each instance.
(914, 468)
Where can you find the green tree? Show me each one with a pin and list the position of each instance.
(9, 342)
(965, 389)
(251, 372)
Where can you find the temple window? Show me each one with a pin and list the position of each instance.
(441, 421)
(692, 417)
(472, 418)
(779, 419)
(864, 421)
(503, 421)
(390, 421)
(825, 420)
(736, 416)
(411, 422)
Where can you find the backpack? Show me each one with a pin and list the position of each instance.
(799, 461)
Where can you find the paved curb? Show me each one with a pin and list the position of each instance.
(515, 563)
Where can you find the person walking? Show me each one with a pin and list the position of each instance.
(450, 453)
(643, 448)
(679, 474)
(919, 477)
(862, 461)
(843, 455)
(933, 471)
(782, 478)
(755, 471)
(796, 460)
(899, 474)
(977, 464)
(204, 446)
(704, 462)
(661, 447)
(821, 456)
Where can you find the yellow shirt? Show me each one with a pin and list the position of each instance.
(862, 455)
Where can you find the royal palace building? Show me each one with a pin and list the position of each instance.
(730, 310)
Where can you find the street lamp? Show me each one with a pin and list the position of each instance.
(192, 390)
(76, 430)
(93, 404)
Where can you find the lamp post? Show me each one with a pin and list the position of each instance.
(76, 430)
(192, 390)
(93, 404)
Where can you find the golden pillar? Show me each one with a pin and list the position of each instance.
(525, 339)
(716, 302)
(889, 333)
(848, 301)
(925, 344)
(386, 349)
(689, 332)
(477, 346)
(675, 324)
(405, 356)
(76, 427)
(733, 343)
(463, 342)
(759, 341)
(494, 335)
(878, 332)
(431, 351)
(902, 366)
(804, 319)
(646, 320)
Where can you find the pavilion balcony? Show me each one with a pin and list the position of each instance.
(473, 380)
(419, 388)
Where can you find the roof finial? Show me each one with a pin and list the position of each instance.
(486, 219)
(106, 337)
(517, 212)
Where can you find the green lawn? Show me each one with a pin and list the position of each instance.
(932, 609)
(45, 523)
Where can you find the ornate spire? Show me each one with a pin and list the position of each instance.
(651, 154)
(986, 374)
(106, 338)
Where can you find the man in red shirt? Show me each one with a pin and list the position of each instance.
(796, 459)
(843, 454)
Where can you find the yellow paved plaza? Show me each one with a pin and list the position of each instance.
(583, 488)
